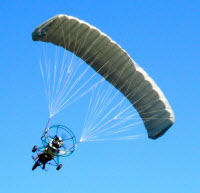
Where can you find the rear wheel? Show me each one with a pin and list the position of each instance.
(34, 148)
(59, 166)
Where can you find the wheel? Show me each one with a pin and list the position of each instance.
(34, 148)
(59, 166)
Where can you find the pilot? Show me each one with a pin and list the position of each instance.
(49, 152)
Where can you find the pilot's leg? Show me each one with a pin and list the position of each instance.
(44, 159)
(37, 156)
(35, 165)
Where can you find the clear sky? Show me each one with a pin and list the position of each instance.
(163, 38)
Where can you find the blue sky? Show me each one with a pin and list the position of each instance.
(163, 38)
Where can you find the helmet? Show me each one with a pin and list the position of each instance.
(56, 138)
(57, 141)
(60, 139)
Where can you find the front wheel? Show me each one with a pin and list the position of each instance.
(59, 166)
(34, 148)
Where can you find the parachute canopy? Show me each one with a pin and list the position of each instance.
(108, 59)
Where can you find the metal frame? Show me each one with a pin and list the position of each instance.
(46, 138)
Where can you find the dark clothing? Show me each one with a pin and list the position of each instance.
(42, 158)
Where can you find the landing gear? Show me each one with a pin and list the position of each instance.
(59, 166)
(34, 149)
